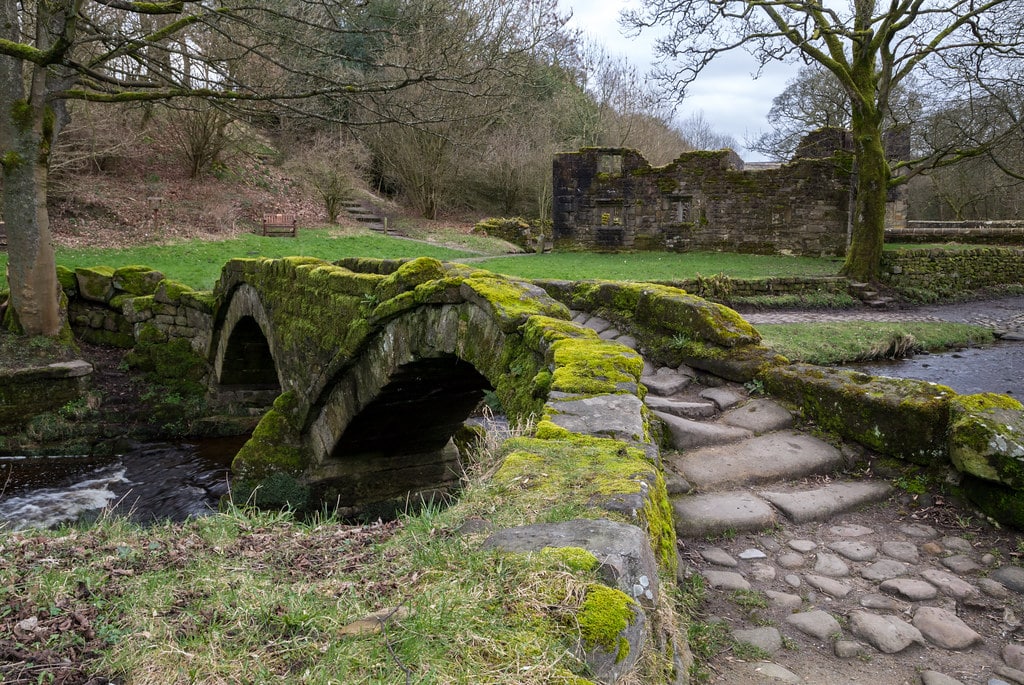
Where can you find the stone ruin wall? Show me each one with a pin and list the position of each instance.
(612, 199)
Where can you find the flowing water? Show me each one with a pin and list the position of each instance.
(151, 482)
(999, 369)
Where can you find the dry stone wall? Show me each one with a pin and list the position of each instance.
(947, 273)
(113, 306)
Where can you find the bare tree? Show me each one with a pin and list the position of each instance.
(871, 48)
(815, 99)
(699, 134)
(273, 57)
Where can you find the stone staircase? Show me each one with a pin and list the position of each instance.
(870, 295)
(821, 575)
(363, 214)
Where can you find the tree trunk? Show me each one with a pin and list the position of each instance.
(26, 132)
(31, 268)
(863, 259)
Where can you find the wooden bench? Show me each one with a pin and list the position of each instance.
(279, 224)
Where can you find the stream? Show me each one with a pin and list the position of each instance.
(168, 481)
(156, 481)
(999, 369)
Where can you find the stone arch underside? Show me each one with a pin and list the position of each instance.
(245, 370)
(382, 434)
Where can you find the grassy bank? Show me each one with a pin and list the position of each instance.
(658, 266)
(198, 263)
(251, 597)
(851, 341)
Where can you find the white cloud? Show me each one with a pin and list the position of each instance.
(726, 93)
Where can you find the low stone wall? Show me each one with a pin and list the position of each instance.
(929, 275)
(723, 289)
(981, 436)
(673, 327)
(971, 232)
(26, 393)
(114, 307)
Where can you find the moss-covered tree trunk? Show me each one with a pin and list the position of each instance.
(31, 269)
(864, 256)
(26, 132)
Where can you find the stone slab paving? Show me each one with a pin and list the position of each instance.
(768, 458)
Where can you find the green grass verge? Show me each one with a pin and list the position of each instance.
(850, 341)
(658, 266)
(248, 597)
(198, 263)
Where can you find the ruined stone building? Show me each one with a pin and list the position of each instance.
(612, 199)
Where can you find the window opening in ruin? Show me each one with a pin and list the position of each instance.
(610, 165)
(609, 214)
(682, 206)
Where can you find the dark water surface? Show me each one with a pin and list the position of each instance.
(150, 482)
(999, 368)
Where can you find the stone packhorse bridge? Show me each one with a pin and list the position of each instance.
(372, 367)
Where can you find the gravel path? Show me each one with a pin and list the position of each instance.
(1005, 315)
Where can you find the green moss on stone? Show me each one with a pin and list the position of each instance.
(605, 614)
(410, 275)
(594, 366)
(95, 283)
(1004, 504)
(904, 418)
(137, 279)
(511, 302)
(170, 362)
(572, 558)
(68, 281)
(987, 437)
(170, 292)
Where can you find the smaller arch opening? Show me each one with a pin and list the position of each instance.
(398, 452)
(248, 372)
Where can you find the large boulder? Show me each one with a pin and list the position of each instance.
(986, 437)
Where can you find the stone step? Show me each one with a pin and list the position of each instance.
(686, 409)
(689, 434)
(714, 514)
(665, 382)
(821, 504)
(764, 459)
(759, 416)
(741, 510)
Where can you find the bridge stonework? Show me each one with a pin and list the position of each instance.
(364, 338)
(372, 365)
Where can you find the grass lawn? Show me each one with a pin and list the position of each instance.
(658, 266)
(198, 263)
(851, 341)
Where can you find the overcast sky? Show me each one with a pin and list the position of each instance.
(730, 99)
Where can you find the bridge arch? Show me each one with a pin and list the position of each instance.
(244, 364)
(381, 432)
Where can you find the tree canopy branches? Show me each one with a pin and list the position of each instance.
(872, 49)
